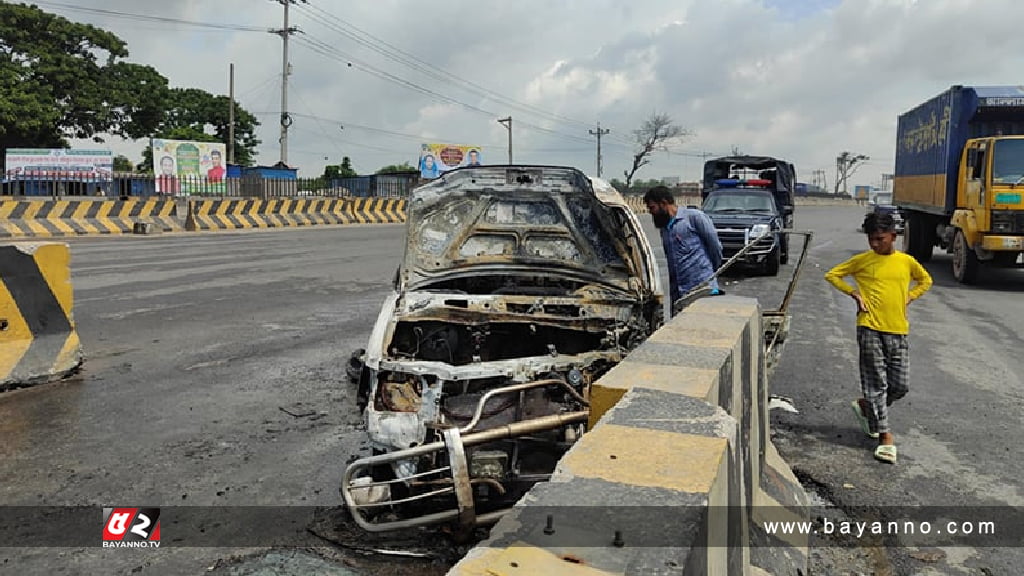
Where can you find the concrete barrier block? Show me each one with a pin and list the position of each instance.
(657, 477)
(610, 388)
(676, 469)
(38, 339)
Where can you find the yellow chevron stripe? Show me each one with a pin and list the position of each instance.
(6, 207)
(357, 211)
(222, 208)
(29, 220)
(70, 354)
(54, 262)
(109, 225)
(17, 338)
(166, 208)
(240, 208)
(59, 222)
(221, 221)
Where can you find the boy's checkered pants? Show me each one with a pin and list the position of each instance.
(884, 371)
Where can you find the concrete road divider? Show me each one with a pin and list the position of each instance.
(286, 212)
(54, 218)
(378, 210)
(258, 213)
(38, 340)
(677, 474)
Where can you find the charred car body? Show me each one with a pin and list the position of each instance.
(520, 286)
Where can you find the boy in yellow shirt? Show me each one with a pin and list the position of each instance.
(883, 292)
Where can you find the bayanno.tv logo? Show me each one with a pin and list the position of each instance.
(131, 527)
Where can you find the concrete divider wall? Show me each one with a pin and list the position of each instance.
(284, 212)
(678, 467)
(258, 213)
(49, 218)
(75, 217)
(38, 339)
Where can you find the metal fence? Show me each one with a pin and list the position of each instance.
(131, 185)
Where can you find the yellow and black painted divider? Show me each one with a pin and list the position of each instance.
(378, 210)
(286, 212)
(55, 218)
(259, 213)
(38, 339)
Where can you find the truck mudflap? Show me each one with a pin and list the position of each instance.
(774, 323)
(370, 500)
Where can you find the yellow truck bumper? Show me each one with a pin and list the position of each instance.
(1002, 243)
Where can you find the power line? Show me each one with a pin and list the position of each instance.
(151, 18)
(332, 52)
(400, 56)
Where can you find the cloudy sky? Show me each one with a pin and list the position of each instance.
(372, 79)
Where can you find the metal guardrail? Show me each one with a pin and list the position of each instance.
(775, 323)
(132, 185)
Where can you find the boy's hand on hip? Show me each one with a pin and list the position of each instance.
(861, 307)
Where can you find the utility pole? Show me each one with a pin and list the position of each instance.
(231, 114)
(599, 133)
(286, 119)
(509, 126)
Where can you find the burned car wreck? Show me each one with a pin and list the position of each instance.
(520, 286)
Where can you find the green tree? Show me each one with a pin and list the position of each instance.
(343, 170)
(122, 164)
(396, 168)
(194, 114)
(64, 79)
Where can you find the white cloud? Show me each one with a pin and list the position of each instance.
(801, 79)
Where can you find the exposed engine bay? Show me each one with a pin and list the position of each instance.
(520, 287)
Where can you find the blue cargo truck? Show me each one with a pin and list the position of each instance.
(959, 177)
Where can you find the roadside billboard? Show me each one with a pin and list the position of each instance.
(437, 158)
(59, 164)
(188, 167)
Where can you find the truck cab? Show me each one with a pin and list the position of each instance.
(959, 177)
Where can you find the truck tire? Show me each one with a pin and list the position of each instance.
(918, 239)
(965, 261)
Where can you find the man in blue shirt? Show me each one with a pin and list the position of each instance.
(690, 241)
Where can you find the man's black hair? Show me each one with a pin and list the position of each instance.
(879, 223)
(659, 194)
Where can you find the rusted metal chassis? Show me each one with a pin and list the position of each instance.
(454, 444)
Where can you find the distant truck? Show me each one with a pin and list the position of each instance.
(960, 177)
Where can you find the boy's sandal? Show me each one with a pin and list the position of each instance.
(886, 453)
(865, 424)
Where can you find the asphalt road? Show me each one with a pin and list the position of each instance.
(959, 430)
(215, 377)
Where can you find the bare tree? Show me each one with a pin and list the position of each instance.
(655, 134)
(846, 164)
